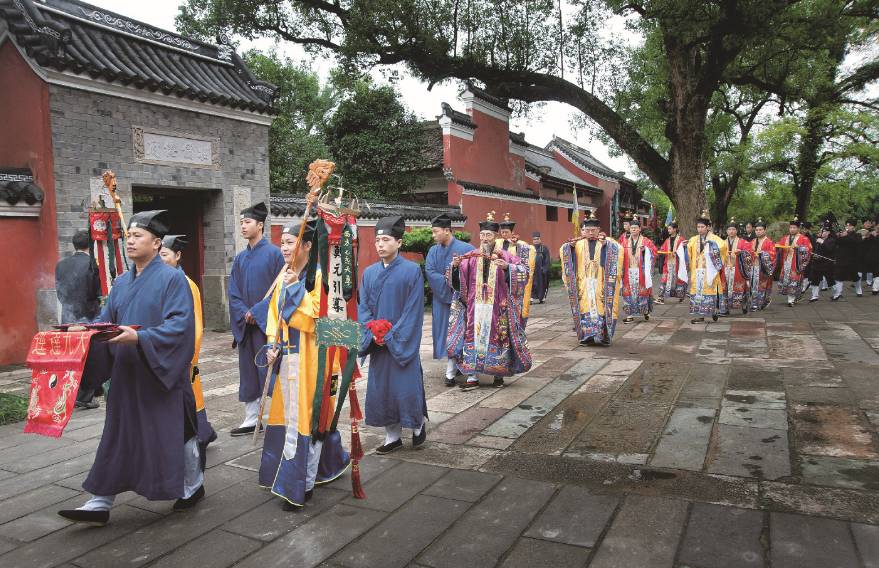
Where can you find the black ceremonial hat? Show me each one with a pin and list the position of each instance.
(155, 221)
(394, 226)
(293, 229)
(175, 242)
(590, 219)
(256, 212)
(442, 221)
(507, 223)
(489, 224)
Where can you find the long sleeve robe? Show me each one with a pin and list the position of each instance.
(592, 275)
(542, 263)
(637, 289)
(486, 331)
(737, 273)
(435, 265)
(289, 452)
(395, 387)
(704, 273)
(761, 272)
(793, 259)
(253, 273)
(205, 430)
(672, 286)
(151, 407)
(525, 253)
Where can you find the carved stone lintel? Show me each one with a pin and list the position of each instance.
(153, 146)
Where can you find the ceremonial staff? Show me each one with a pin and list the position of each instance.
(110, 183)
(319, 172)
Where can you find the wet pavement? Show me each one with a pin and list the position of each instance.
(747, 442)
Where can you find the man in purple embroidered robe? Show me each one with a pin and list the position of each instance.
(486, 332)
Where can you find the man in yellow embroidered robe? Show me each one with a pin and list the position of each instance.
(703, 259)
(292, 461)
(591, 272)
(527, 256)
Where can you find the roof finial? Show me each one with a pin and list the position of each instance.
(490, 216)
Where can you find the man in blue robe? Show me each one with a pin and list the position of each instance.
(439, 258)
(149, 444)
(253, 273)
(392, 294)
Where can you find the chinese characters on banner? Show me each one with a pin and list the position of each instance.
(56, 360)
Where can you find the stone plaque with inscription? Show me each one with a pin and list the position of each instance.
(157, 147)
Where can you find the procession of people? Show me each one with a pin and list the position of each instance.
(283, 300)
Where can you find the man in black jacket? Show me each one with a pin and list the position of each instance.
(77, 284)
(848, 254)
(79, 289)
(821, 265)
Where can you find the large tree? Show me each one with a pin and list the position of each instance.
(296, 137)
(548, 50)
(377, 143)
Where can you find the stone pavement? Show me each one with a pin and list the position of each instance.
(747, 442)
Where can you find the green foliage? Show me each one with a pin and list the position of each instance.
(296, 137)
(12, 408)
(377, 143)
(420, 240)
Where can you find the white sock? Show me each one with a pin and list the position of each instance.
(450, 368)
(790, 299)
(313, 461)
(837, 289)
(417, 432)
(392, 433)
(858, 288)
(98, 503)
(193, 476)
(251, 410)
(876, 284)
(814, 292)
(869, 279)
(472, 379)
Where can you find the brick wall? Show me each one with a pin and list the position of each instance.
(92, 132)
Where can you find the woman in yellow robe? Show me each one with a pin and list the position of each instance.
(292, 461)
(171, 252)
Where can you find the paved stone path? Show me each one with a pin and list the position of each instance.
(747, 442)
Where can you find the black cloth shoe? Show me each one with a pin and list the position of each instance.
(308, 495)
(498, 382)
(90, 405)
(697, 320)
(420, 438)
(813, 300)
(388, 448)
(288, 506)
(450, 382)
(790, 304)
(835, 298)
(97, 518)
(604, 343)
(212, 439)
(875, 293)
(469, 385)
(189, 503)
(245, 430)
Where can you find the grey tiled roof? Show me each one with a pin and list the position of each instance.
(581, 156)
(538, 159)
(17, 185)
(294, 205)
(68, 35)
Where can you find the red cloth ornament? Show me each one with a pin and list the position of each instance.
(56, 360)
(379, 329)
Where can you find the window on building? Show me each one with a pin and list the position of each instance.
(552, 213)
(570, 215)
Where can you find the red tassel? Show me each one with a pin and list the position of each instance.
(354, 404)
(356, 486)
(356, 447)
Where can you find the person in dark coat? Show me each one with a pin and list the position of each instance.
(542, 263)
(870, 255)
(821, 266)
(79, 289)
(77, 283)
(848, 245)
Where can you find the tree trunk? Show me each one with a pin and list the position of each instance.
(807, 160)
(685, 128)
